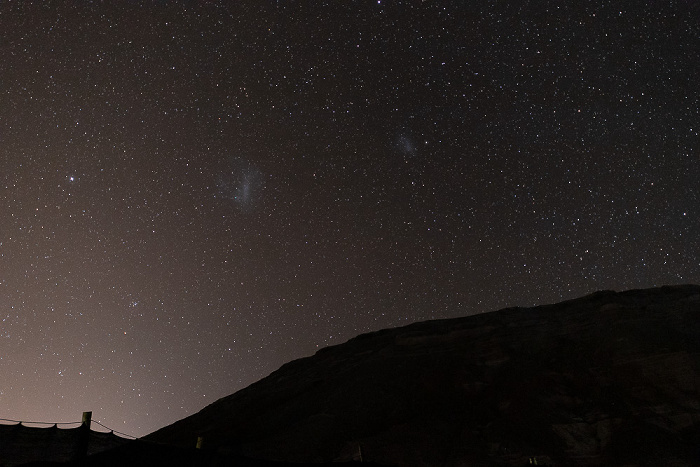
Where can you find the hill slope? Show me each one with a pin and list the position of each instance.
(608, 379)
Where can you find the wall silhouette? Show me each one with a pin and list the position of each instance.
(20, 444)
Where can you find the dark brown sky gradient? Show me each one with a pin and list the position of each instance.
(194, 193)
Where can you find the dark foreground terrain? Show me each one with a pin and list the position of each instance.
(608, 379)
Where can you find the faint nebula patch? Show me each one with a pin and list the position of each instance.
(241, 182)
(406, 145)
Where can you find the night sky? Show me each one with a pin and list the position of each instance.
(194, 193)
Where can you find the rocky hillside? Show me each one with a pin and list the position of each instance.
(607, 379)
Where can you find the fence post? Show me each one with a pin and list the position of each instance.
(87, 419)
(84, 442)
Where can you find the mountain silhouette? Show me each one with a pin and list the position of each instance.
(607, 379)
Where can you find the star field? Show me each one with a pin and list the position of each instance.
(194, 193)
